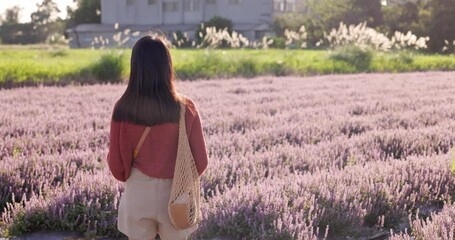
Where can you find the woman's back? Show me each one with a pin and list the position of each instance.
(159, 150)
(150, 100)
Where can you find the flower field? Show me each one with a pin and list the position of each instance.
(335, 157)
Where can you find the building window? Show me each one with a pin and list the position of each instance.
(170, 6)
(210, 1)
(235, 2)
(191, 5)
(153, 2)
(284, 5)
(129, 2)
(278, 5)
(290, 6)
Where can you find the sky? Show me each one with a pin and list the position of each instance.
(29, 6)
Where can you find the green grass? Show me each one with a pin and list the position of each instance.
(22, 66)
(30, 66)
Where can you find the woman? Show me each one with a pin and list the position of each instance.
(150, 100)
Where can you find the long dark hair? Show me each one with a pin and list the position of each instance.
(150, 97)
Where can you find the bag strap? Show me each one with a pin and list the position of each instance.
(141, 141)
(147, 130)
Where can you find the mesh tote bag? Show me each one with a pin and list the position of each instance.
(184, 202)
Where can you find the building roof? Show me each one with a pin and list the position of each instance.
(87, 28)
(98, 28)
(251, 26)
(92, 28)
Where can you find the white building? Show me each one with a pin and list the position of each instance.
(252, 18)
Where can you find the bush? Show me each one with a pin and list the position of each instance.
(209, 65)
(109, 68)
(359, 58)
(247, 68)
(18, 33)
(217, 22)
(181, 40)
(88, 207)
(441, 26)
(291, 21)
(58, 53)
(278, 42)
(276, 69)
(403, 57)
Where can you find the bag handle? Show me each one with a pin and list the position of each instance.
(141, 141)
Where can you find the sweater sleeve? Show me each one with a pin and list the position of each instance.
(114, 158)
(197, 145)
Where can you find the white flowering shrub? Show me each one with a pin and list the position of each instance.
(215, 38)
(448, 46)
(359, 35)
(296, 39)
(182, 40)
(405, 41)
(366, 37)
(100, 42)
(123, 37)
(57, 39)
(266, 42)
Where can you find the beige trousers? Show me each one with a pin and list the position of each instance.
(143, 209)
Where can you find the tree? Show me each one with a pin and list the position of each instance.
(86, 11)
(17, 33)
(323, 15)
(44, 22)
(410, 16)
(369, 11)
(442, 25)
(331, 12)
(328, 14)
(217, 22)
(43, 19)
(13, 32)
(47, 12)
(11, 15)
(291, 21)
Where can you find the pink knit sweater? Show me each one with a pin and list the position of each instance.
(157, 155)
